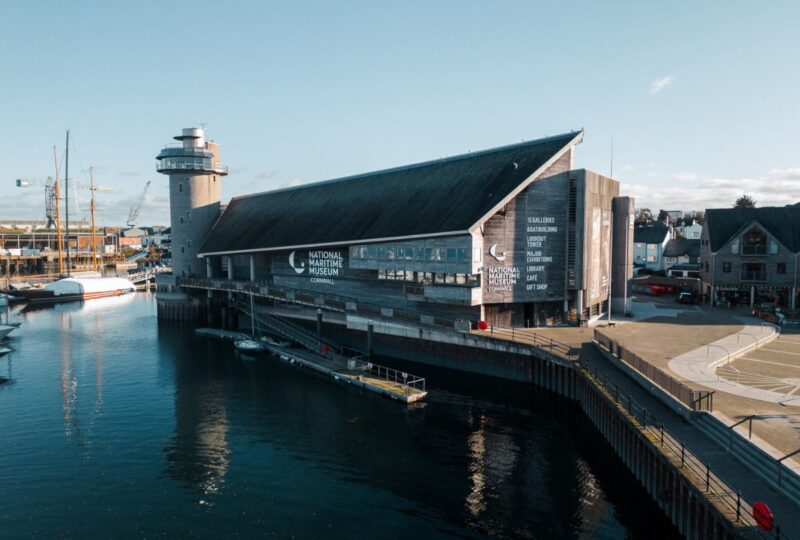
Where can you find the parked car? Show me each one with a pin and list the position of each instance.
(685, 298)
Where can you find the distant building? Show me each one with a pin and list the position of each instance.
(750, 256)
(688, 228)
(135, 232)
(681, 258)
(649, 242)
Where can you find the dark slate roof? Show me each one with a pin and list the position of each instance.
(682, 246)
(442, 196)
(782, 222)
(654, 233)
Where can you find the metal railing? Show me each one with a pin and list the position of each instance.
(697, 471)
(367, 310)
(529, 336)
(398, 377)
(696, 400)
(352, 359)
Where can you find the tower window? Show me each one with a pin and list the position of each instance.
(180, 187)
(183, 249)
(181, 220)
(189, 243)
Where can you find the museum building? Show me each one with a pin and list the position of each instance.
(511, 235)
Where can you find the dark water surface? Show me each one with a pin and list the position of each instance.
(115, 427)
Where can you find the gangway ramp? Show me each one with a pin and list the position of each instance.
(340, 363)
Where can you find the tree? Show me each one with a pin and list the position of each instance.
(745, 201)
(644, 215)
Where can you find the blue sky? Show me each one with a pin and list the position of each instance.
(701, 98)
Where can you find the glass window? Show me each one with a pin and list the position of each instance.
(399, 274)
(726, 267)
(428, 277)
(390, 274)
(734, 246)
(781, 268)
(409, 253)
(452, 254)
(383, 253)
(472, 280)
(409, 275)
(419, 254)
(773, 247)
(401, 253)
(390, 251)
(354, 252)
(449, 278)
(463, 255)
(428, 254)
(461, 279)
(381, 274)
(438, 277)
(755, 242)
(754, 272)
(372, 252)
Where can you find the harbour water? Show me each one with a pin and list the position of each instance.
(114, 426)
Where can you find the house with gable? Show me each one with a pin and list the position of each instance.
(750, 255)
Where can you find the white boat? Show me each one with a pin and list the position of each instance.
(277, 342)
(4, 351)
(6, 329)
(72, 288)
(248, 345)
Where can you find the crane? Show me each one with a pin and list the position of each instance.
(134, 213)
(49, 185)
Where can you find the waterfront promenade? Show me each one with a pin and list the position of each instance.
(690, 344)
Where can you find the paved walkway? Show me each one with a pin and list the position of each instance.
(752, 486)
(699, 366)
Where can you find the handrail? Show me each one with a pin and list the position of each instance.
(691, 398)
(780, 463)
(654, 431)
(750, 430)
(300, 334)
(363, 308)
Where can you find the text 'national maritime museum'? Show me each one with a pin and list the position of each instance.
(511, 235)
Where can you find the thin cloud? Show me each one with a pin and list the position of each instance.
(659, 84)
(777, 187)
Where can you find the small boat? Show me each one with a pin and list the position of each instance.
(4, 351)
(277, 342)
(248, 345)
(68, 289)
(6, 329)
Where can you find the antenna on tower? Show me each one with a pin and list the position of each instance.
(611, 174)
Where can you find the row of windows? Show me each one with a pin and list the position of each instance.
(760, 268)
(439, 278)
(409, 253)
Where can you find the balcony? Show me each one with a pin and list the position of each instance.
(755, 250)
(168, 165)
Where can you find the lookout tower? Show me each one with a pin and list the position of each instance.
(195, 178)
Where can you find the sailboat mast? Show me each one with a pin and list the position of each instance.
(58, 219)
(252, 316)
(94, 237)
(66, 186)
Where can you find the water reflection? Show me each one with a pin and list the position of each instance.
(198, 454)
(174, 432)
